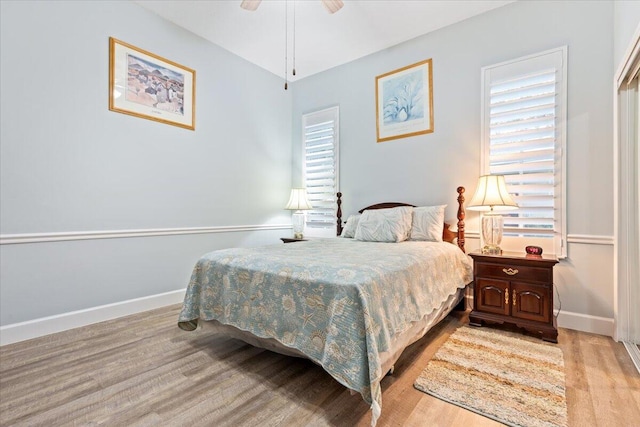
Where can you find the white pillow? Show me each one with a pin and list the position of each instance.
(428, 223)
(349, 230)
(385, 225)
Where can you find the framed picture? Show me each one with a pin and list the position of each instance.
(404, 102)
(145, 85)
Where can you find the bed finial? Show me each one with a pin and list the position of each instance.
(461, 215)
(339, 214)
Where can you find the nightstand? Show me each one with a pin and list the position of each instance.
(291, 240)
(514, 288)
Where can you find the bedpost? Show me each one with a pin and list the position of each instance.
(339, 214)
(461, 215)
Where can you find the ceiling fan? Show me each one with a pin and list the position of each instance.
(332, 6)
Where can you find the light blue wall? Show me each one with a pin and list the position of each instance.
(69, 164)
(428, 168)
(626, 22)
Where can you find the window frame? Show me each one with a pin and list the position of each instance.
(517, 243)
(334, 113)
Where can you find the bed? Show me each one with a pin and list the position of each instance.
(351, 305)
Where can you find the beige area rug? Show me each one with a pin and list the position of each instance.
(504, 376)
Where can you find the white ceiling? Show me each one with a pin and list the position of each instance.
(322, 40)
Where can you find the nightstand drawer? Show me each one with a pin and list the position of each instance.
(514, 272)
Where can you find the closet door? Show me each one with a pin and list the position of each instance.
(634, 288)
(628, 209)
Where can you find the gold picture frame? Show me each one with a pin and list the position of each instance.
(145, 85)
(404, 102)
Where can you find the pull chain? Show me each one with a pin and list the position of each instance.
(286, 44)
(294, 37)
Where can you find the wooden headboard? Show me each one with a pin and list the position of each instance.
(447, 234)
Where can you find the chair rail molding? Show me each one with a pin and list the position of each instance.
(591, 239)
(13, 239)
(588, 239)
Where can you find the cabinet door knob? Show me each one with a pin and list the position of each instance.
(513, 298)
(510, 271)
(506, 296)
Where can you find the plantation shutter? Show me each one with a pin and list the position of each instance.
(320, 169)
(524, 138)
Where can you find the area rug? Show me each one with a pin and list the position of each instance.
(501, 375)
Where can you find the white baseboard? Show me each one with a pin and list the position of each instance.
(576, 321)
(586, 323)
(48, 325)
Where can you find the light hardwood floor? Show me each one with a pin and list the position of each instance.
(143, 371)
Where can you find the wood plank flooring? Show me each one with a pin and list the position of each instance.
(143, 371)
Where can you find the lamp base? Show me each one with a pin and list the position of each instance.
(491, 250)
(297, 220)
(492, 233)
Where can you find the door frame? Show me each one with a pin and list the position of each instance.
(626, 207)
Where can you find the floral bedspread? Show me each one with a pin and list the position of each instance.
(339, 301)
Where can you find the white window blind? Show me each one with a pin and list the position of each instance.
(320, 170)
(524, 127)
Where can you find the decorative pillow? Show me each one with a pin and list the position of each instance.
(428, 223)
(349, 230)
(385, 225)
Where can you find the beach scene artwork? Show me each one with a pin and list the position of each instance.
(148, 86)
(154, 86)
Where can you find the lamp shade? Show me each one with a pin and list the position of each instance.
(250, 4)
(491, 195)
(332, 6)
(298, 200)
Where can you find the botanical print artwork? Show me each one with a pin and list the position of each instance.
(154, 86)
(404, 102)
(403, 98)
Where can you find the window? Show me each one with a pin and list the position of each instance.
(523, 138)
(320, 170)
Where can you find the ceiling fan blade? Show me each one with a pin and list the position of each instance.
(332, 6)
(250, 4)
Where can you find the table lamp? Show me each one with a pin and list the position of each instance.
(298, 202)
(491, 197)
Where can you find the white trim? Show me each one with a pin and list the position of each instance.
(590, 239)
(585, 239)
(48, 325)
(12, 239)
(563, 177)
(633, 351)
(471, 234)
(586, 323)
(630, 57)
(616, 211)
(576, 321)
